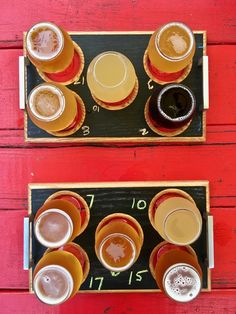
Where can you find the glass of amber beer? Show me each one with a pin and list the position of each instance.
(51, 49)
(170, 109)
(56, 109)
(175, 216)
(59, 273)
(118, 241)
(170, 52)
(112, 80)
(63, 217)
(177, 271)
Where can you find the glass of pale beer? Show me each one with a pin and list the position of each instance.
(171, 48)
(55, 109)
(118, 241)
(112, 79)
(177, 271)
(175, 216)
(60, 220)
(171, 106)
(51, 49)
(59, 273)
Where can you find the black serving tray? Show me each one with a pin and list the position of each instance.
(130, 198)
(129, 124)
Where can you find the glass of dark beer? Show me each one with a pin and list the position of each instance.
(171, 107)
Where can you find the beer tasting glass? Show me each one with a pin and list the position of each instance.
(112, 80)
(52, 51)
(62, 217)
(59, 273)
(177, 271)
(170, 107)
(118, 241)
(56, 109)
(170, 51)
(175, 216)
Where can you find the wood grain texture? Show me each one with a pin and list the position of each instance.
(215, 163)
(214, 15)
(11, 250)
(216, 135)
(21, 163)
(216, 302)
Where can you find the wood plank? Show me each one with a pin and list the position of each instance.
(222, 68)
(215, 163)
(216, 135)
(223, 275)
(216, 302)
(11, 250)
(219, 19)
(14, 277)
(222, 109)
(11, 117)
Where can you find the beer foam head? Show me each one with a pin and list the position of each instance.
(53, 284)
(175, 41)
(46, 102)
(182, 282)
(44, 41)
(117, 252)
(53, 228)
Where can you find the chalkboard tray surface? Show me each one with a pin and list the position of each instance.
(131, 198)
(129, 124)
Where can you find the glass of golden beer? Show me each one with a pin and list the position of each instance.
(56, 109)
(118, 241)
(61, 219)
(175, 216)
(51, 49)
(170, 109)
(112, 80)
(59, 274)
(170, 51)
(177, 271)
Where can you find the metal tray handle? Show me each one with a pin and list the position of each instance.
(210, 234)
(26, 257)
(205, 82)
(22, 82)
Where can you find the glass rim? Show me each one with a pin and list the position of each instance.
(122, 268)
(99, 57)
(68, 276)
(51, 244)
(166, 26)
(55, 90)
(58, 32)
(170, 239)
(182, 118)
(199, 279)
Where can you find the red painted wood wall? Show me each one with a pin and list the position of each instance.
(21, 163)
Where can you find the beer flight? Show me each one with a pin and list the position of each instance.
(111, 78)
(118, 242)
(118, 239)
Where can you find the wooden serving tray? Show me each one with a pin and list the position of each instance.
(129, 124)
(132, 198)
